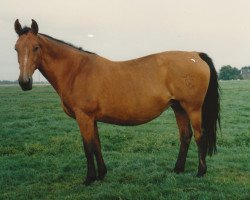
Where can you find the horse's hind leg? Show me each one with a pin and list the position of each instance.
(185, 131)
(195, 117)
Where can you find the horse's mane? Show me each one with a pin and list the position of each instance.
(69, 44)
(26, 29)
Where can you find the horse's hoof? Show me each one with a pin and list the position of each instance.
(201, 173)
(178, 170)
(102, 174)
(198, 175)
(101, 177)
(89, 180)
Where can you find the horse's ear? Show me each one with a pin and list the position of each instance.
(34, 27)
(18, 27)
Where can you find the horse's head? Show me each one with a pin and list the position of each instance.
(29, 53)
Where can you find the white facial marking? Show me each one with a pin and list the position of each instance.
(193, 60)
(25, 59)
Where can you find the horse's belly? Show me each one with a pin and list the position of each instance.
(133, 115)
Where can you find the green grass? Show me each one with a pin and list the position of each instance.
(41, 153)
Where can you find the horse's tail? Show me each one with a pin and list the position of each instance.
(211, 107)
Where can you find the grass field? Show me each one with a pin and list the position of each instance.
(41, 153)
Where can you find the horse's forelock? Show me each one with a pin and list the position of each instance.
(24, 30)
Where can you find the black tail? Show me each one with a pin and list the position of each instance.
(211, 107)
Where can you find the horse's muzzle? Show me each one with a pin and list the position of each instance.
(26, 84)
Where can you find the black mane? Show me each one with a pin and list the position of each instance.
(69, 44)
(26, 29)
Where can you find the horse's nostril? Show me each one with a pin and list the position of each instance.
(30, 80)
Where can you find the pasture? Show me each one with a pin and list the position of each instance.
(41, 153)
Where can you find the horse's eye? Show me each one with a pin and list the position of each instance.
(35, 48)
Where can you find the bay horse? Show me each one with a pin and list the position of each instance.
(94, 89)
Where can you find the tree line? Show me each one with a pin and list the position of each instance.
(232, 73)
(7, 82)
(4, 82)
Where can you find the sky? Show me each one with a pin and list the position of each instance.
(127, 29)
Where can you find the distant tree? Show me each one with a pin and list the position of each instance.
(229, 73)
(246, 67)
(245, 72)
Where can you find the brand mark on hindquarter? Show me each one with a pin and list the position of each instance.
(188, 80)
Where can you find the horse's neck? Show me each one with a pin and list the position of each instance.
(57, 63)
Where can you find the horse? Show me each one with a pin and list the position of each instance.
(95, 89)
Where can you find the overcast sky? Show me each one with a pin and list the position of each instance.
(126, 29)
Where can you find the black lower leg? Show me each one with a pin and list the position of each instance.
(91, 172)
(202, 149)
(185, 142)
(181, 160)
(180, 163)
(102, 170)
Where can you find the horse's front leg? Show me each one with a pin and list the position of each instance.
(102, 170)
(87, 129)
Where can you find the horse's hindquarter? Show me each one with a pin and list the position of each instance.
(188, 77)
